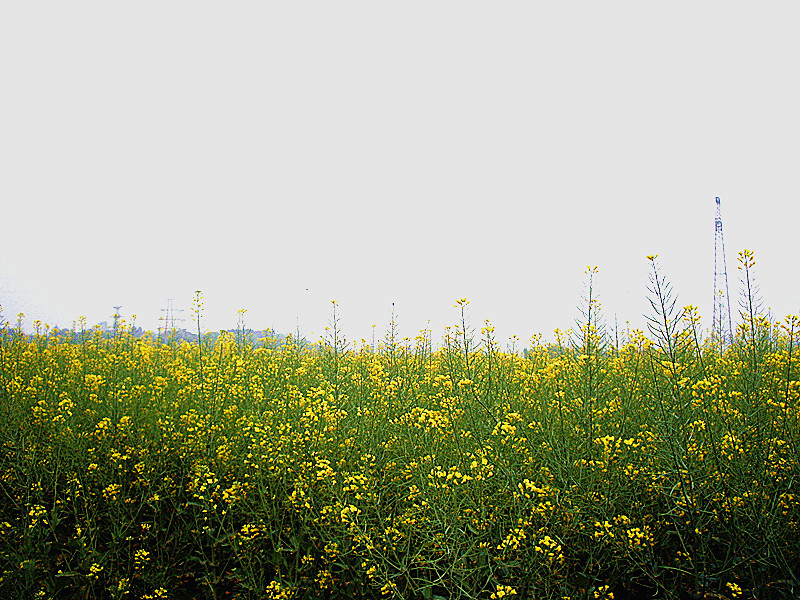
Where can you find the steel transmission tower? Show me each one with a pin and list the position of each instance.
(169, 318)
(721, 326)
(116, 316)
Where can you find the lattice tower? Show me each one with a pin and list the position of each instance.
(116, 316)
(721, 326)
(169, 318)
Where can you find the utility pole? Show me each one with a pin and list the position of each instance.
(721, 326)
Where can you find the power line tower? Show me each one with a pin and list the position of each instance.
(721, 326)
(169, 318)
(116, 316)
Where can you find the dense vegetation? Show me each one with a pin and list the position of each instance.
(661, 464)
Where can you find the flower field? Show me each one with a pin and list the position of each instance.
(655, 465)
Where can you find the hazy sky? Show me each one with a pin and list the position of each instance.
(280, 155)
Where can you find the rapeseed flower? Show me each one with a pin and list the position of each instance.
(503, 591)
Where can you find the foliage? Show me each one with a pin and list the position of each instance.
(131, 468)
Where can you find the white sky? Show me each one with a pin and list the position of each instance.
(407, 152)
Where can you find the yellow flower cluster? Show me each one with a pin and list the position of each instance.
(503, 591)
(402, 468)
(550, 550)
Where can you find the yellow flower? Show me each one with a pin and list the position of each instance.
(734, 588)
(112, 491)
(388, 589)
(140, 557)
(35, 513)
(503, 591)
(276, 591)
(603, 593)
